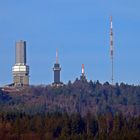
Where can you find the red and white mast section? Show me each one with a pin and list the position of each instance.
(83, 70)
(111, 50)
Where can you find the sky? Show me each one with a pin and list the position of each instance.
(80, 29)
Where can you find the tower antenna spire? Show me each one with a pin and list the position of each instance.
(56, 56)
(111, 50)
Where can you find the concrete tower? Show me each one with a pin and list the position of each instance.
(57, 70)
(20, 69)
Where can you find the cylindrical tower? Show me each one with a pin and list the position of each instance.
(20, 69)
(21, 52)
(57, 70)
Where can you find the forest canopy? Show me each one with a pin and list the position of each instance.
(81, 97)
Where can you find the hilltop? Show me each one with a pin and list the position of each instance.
(80, 96)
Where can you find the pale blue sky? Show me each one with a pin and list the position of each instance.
(80, 31)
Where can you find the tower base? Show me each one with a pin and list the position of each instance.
(21, 75)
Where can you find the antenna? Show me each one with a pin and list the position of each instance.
(111, 50)
(83, 69)
(56, 56)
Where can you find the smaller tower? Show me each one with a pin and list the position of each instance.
(83, 77)
(83, 70)
(57, 70)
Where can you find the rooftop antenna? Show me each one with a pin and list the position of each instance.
(56, 56)
(111, 50)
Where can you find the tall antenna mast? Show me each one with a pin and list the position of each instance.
(111, 50)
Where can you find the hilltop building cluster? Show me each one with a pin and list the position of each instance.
(21, 70)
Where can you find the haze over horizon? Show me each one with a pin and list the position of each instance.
(81, 32)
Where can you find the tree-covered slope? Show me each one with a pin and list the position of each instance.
(77, 97)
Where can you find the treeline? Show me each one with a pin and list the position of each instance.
(56, 126)
(86, 110)
(80, 96)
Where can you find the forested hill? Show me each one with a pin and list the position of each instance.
(77, 97)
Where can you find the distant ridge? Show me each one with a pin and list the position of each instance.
(77, 97)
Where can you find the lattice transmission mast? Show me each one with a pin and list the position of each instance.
(111, 50)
